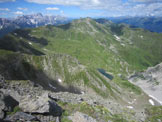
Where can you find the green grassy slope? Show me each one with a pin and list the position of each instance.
(116, 48)
(91, 42)
(145, 49)
(140, 48)
(73, 53)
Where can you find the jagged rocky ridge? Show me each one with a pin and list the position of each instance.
(37, 104)
(23, 90)
(29, 21)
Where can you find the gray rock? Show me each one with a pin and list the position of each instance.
(2, 80)
(150, 81)
(40, 104)
(109, 121)
(46, 118)
(2, 105)
(7, 103)
(80, 117)
(58, 119)
(21, 116)
(2, 114)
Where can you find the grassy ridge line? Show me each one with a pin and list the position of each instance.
(90, 43)
(60, 66)
(145, 49)
(82, 46)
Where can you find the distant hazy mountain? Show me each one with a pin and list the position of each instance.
(153, 24)
(29, 21)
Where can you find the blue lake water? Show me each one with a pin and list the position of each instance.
(103, 72)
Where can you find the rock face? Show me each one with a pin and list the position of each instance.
(41, 105)
(33, 101)
(2, 105)
(2, 80)
(150, 81)
(7, 103)
(80, 117)
(21, 116)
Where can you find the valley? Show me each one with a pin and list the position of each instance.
(81, 68)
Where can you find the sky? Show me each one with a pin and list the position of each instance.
(81, 8)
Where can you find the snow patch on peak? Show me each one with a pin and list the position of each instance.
(32, 21)
(151, 102)
(1, 26)
(30, 43)
(117, 37)
(155, 99)
(59, 80)
(130, 107)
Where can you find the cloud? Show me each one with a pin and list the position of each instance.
(52, 8)
(18, 12)
(84, 4)
(4, 9)
(1, 1)
(24, 9)
(112, 7)
(146, 1)
(67, 2)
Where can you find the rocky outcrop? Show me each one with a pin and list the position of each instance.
(150, 81)
(2, 80)
(20, 89)
(34, 102)
(80, 117)
(41, 105)
(21, 116)
(2, 105)
(7, 103)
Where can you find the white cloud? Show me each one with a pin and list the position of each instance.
(4, 9)
(18, 12)
(68, 2)
(112, 7)
(24, 9)
(146, 1)
(52, 8)
(1, 1)
(88, 4)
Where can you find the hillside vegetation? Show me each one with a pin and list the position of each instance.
(67, 58)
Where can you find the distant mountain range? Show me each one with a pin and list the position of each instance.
(29, 21)
(153, 24)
